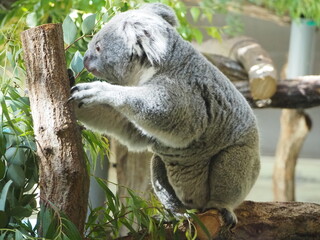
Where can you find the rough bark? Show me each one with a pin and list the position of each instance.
(295, 125)
(302, 92)
(258, 64)
(231, 68)
(63, 177)
(133, 169)
(266, 221)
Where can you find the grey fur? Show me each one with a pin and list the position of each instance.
(167, 98)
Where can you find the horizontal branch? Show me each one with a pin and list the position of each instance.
(264, 220)
(301, 92)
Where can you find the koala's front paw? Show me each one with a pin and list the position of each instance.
(86, 94)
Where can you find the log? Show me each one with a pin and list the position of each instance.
(64, 180)
(257, 62)
(266, 221)
(231, 68)
(301, 92)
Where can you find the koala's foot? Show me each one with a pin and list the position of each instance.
(229, 218)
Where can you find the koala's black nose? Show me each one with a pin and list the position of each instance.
(86, 61)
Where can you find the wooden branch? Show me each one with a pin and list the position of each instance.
(231, 68)
(63, 176)
(263, 221)
(295, 125)
(302, 92)
(257, 62)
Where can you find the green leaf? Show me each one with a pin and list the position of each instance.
(197, 34)
(3, 219)
(195, 13)
(77, 63)
(214, 32)
(32, 20)
(3, 141)
(2, 169)
(4, 194)
(18, 235)
(5, 110)
(20, 212)
(105, 17)
(197, 220)
(88, 24)
(70, 229)
(16, 156)
(10, 58)
(16, 174)
(47, 222)
(69, 30)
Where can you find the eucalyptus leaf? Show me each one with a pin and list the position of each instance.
(105, 17)
(69, 30)
(195, 13)
(18, 235)
(197, 34)
(16, 174)
(4, 194)
(214, 32)
(88, 24)
(77, 63)
(3, 141)
(20, 212)
(15, 155)
(2, 169)
(32, 19)
(70, 229)
(3, 219)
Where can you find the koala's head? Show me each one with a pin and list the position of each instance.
(130, 41)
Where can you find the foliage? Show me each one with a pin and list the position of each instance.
(309, 9)
(138, 216)
(18, 164)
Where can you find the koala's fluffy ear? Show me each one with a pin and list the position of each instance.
(163, 11)
(146, 39)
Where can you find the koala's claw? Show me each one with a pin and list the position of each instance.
(74, 89)
(229, 218)
(70, 99)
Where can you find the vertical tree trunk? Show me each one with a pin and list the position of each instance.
(295, 126)
(63, 177)
(133, 169)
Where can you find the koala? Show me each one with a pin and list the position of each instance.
(160, 94)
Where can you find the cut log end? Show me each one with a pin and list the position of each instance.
(212, 220)
(263, 87)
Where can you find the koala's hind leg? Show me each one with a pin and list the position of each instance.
(162, 187)
(232, 174)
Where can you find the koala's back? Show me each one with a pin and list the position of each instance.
(228, 115)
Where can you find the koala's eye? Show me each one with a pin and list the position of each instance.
(98, 49)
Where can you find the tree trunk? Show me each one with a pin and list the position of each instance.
(63, 175)
(295, 125)
(133, 169)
